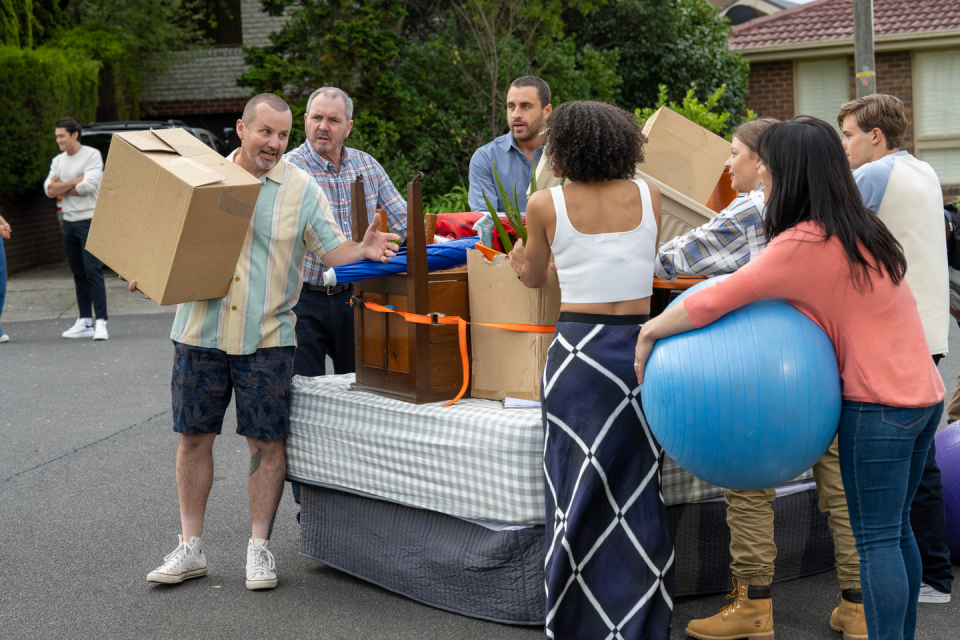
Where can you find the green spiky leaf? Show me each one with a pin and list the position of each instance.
(501, 230)
(511, 208)
(516, 219)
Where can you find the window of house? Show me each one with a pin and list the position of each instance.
(228, 30)
(936, 99)
(821, 88)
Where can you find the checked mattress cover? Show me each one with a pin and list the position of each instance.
(474, 460)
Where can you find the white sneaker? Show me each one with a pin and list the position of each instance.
(931, 596)
(80, 329)
(261, 569)
(4, 337)
(100, 332)
(185, 562)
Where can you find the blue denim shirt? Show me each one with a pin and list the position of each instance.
(512, 165)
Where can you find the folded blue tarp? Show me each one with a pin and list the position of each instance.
(439, 257)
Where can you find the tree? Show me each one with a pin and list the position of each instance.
(681, 44)
(389, 55)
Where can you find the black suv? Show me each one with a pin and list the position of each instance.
(99, 134)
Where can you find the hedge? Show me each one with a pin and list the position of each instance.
(37, 88)
(119, 83)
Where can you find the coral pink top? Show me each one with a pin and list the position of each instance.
(877, 333)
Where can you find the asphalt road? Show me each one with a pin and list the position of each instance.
(89, 506)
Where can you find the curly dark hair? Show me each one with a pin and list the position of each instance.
(593, 141)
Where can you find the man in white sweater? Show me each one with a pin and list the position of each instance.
(75, 175)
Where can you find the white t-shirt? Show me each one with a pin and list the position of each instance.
(88, 162)
(905, 193)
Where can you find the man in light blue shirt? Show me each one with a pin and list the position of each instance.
(528, 106)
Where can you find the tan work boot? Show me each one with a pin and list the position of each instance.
(750, 616)
(848, 617)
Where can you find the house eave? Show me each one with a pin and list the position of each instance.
(844, 46)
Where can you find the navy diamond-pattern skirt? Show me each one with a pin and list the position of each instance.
(609, 565)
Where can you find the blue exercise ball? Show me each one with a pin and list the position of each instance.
(748, 402)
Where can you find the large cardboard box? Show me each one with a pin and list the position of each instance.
(683, 155)
(172, 214)
(680, 213)
(508, 363)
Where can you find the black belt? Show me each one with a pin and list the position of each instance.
(330, 291)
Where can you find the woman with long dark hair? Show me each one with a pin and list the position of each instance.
(609, 565)
(836, 262)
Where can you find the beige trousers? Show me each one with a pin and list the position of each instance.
(953, 409)
(750, 519)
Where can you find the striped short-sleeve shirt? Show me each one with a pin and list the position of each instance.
(291, 216)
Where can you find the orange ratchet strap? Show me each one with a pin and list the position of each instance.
(436, 318)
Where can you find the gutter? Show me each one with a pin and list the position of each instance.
(824, 48)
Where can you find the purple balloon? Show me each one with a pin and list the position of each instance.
(948, 458)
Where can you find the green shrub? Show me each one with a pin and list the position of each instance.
(37, 88)
(706, 114)
(9, 23)
(119, 82)
(454, 202)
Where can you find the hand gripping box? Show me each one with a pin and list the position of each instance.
(172, 214)
(508, 363)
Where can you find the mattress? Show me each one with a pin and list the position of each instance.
(437, 559)
(473, 460)
(459, 566)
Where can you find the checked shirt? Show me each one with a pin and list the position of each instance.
(730, 240)
(380, 192)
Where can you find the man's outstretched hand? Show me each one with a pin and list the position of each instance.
(379, 246)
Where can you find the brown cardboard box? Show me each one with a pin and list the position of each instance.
(680, 213)
(683, 155)
(172, 214)
(508, 363)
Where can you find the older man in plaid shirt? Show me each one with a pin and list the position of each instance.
(324, 316)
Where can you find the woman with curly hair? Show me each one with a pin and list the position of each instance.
(609, 566)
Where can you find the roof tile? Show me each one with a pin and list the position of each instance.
(833, 20)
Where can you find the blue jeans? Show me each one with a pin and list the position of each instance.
(883, 451)
(3, 278)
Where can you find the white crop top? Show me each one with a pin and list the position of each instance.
(604, 267)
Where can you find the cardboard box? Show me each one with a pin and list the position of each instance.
(680, 213)
(683, 155)
(172, 214)
(508, 363)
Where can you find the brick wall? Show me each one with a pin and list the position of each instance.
(771, 89)
(35, 237)
(181, 108)
(211, 75)
(895, 76)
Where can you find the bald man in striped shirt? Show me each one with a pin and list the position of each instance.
(243, 343)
